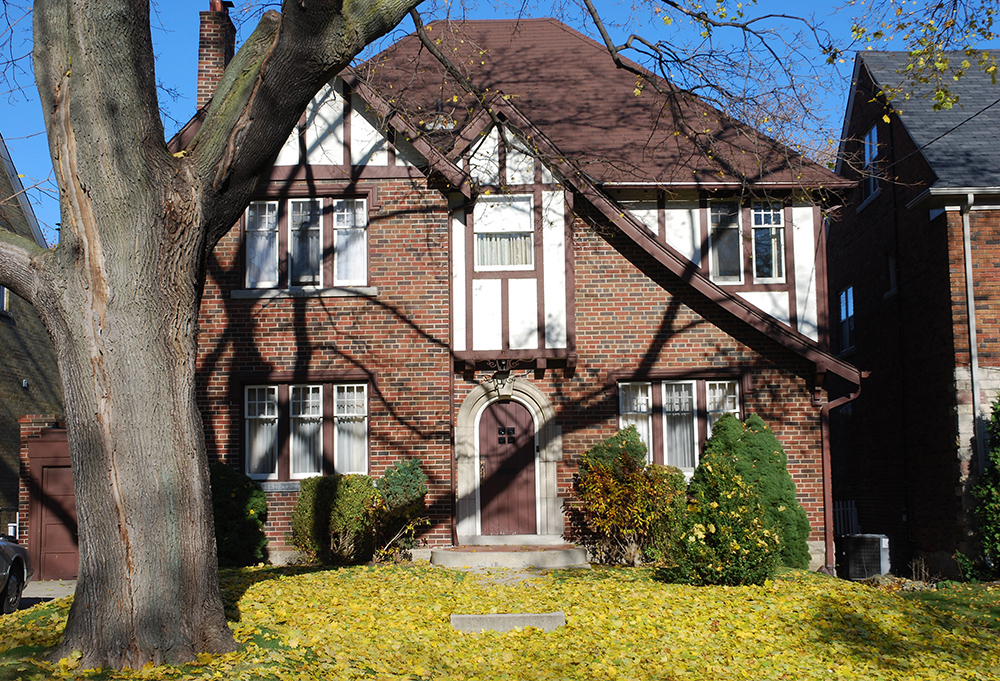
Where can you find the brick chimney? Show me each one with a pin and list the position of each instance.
(216, 45)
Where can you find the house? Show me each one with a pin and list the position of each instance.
(493, 284)
(912, 259)
(29, 378)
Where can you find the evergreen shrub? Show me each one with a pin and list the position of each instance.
(402, 489)
(353, 518)
(986, 567)
(311, 517)
(240, 510)
(629, 507)
(760, 461)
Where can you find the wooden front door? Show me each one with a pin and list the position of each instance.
(507, 469)
(52, 533)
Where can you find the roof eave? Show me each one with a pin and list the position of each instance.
(942, 197)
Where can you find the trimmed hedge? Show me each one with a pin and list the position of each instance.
(240, 510)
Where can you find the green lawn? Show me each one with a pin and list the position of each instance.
(389, 622)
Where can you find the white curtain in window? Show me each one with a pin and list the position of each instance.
(351, 419)
(505, 250)
(679, 424)
(262, 244)
(262, 431)
(306, 430)
(305, 242)
(350, 266)
(636, 409)
(723, 398)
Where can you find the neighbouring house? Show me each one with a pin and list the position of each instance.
(912, 258)
(29, 378)
(494, 286)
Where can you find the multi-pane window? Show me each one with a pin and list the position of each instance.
(635, 407)
(847, 318)
(504, 232)
(869, 171)
(291, 430)
(768, 240)
(727, 252)
(351, 420)
(310, 242)
(674, 418)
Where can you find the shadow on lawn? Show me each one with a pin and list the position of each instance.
(234, 582)
(876, 639)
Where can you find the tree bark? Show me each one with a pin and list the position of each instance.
(120, 295)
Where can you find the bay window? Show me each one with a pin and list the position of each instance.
(298, 431)
(675, 417)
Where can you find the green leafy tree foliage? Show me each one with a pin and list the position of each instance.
(402, 489)
(760, 461)
(727, 540)
(630, 508)
(240, 510)
(987, 493)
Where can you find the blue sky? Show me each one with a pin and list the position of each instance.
(175, 35)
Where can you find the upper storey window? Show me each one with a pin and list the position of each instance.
(505, 234)
(726, 257)
(307, 243)
(768, 241)
(869, 172)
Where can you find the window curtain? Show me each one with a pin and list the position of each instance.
(636, 409)
(505, 250)
(679, 422)
(262, 431)
(306, 430)
(262, 244)
(305, 246)
(351, 419)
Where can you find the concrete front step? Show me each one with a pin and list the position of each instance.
(510, 556)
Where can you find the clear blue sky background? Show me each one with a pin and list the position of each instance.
(175, 35)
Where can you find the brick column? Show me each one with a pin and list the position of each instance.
(216, 46)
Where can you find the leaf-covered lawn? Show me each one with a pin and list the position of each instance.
(388, 622)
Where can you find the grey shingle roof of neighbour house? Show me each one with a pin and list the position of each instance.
(961, 144)
(615, 126)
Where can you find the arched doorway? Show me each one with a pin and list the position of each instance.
(507, 469)
(546, 452)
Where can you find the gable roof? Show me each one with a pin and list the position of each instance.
(960, 144)
(616, 126)
(16, 214)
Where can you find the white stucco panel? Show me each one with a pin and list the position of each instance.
(487, 332)
(484, 163)
(458, 275)
(522, 313)
(803, 233)
(645, 212)
(520, 164)
(368, 144)
(289, 154)
(325, 142)
(774, 303)
(682, 229)
(554, 255)
(407, 154)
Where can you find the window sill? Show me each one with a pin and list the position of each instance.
(871, 197)
(282, 486)
(335, 292)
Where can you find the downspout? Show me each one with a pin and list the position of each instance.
(824, 415)
(970, 305)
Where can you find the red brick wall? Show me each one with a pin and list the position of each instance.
(216, 44)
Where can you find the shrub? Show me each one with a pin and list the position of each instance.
(240, 510)
(311, 517)
(630, 508)
(402, 489)
(986, 567)
(760, 461)
(725, 541)
(353, 516)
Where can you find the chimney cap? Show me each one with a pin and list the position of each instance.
(220, 5)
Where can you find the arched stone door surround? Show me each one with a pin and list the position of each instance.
(549, 453)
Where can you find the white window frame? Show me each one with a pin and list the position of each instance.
(342, 226)
(292, 232)
(273, 418)
(769, 217)
(714, 243)
(634, 413)
(523, 228)
(314, 405)
(354, 415)
(869, 171)
(693, 385)
(263, 283)
(716, 411)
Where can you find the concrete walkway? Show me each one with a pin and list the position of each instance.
(39, 592)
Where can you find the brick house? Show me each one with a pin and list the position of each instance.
(924, 217)
(494, 286)
(29, 378)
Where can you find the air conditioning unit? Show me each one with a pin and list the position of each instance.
(860, 556)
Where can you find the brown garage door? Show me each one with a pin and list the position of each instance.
(52, 537)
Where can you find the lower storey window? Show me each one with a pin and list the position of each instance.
(297, 431)
(674, 418)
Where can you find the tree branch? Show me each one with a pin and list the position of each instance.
(17, 268)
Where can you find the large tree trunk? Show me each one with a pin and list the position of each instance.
(120, 295)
